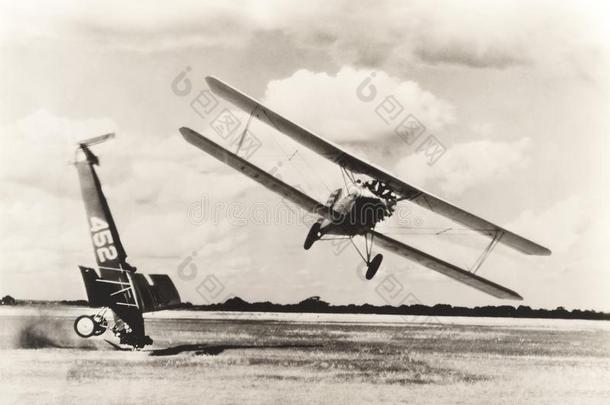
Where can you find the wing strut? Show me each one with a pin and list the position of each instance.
(243, 134)
(477, 264)
(368, 246)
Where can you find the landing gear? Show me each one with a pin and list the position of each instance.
(373, 266)
(312, 236)
(86, 326)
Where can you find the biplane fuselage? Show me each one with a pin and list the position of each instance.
(360, 211)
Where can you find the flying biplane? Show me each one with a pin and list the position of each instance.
(116, 287)
(366, 202)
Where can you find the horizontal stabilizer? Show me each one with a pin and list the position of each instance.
(96, 139)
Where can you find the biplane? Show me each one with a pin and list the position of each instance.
(115, 286)
(370, 199)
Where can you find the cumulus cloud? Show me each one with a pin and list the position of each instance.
(333, 105)
(560, 226)
(32, 147)
(466, 165)
(575, 275)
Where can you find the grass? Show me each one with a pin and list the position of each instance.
(255, 361)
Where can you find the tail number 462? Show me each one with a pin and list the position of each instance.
(102, 240)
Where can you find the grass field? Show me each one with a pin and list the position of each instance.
(309, 359)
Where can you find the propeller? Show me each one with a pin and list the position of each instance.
(382, 190)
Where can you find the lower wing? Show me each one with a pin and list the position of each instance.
(445, 268)
(257, 174)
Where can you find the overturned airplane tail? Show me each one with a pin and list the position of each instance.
(148, 293)
(115, 284)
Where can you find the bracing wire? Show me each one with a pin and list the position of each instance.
(310, 167)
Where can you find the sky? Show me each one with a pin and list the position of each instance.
(515, 93)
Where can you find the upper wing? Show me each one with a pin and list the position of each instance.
(269, 181)
(445, 268)
(334, 153)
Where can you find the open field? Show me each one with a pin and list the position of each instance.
(306, 358)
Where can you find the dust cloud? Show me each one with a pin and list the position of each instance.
(40, 332)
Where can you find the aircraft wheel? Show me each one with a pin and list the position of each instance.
(374, 266)
(312, 236)
(84, 326)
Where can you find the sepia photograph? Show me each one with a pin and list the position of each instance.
(305, 202)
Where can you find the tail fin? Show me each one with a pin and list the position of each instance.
(109, 251)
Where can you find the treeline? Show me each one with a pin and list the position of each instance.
(316, 305)
(8, 300)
